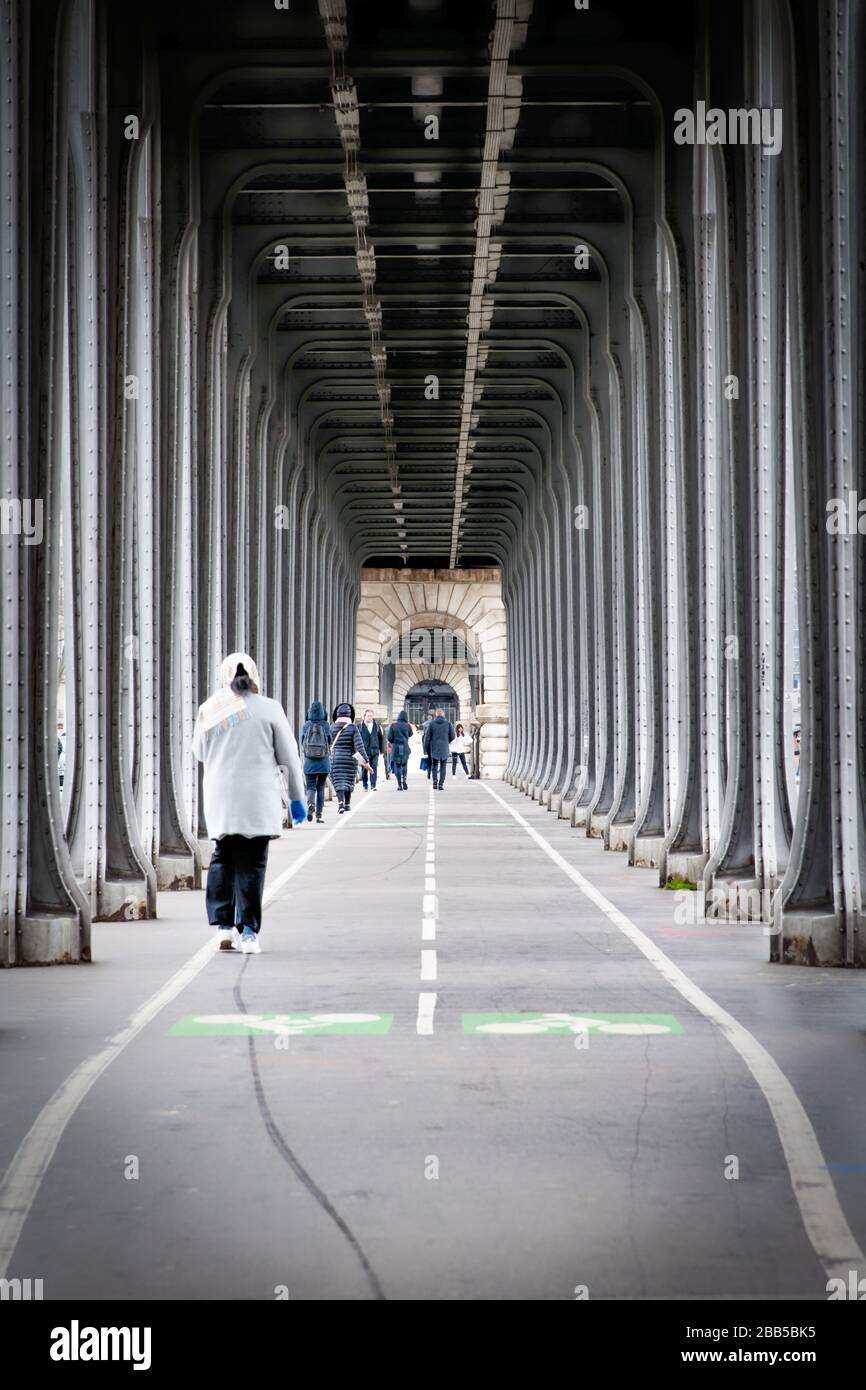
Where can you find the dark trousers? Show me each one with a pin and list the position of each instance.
(235, 881)
(316, 790)
(462, 757)
(374, 763)
(400, 773)
(439, 767)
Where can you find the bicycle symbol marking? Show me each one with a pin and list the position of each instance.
(516, 1025)
(281, 1025)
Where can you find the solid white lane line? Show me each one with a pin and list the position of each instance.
(31, 1160)
(426, 1005)
(829, 1233)
(428, 965)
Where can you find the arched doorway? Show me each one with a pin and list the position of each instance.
(426, 697)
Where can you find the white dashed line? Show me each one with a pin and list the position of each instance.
(426, 1005)
(429, 911)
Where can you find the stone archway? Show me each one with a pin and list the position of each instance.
(395, 604)
(423, 699)
(410, 676)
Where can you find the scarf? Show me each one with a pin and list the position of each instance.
(226, 708)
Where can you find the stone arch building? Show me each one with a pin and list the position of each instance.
(398, 605)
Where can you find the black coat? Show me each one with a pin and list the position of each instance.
(437, 740)
(399, 735)
(373, 740)
(345, 743)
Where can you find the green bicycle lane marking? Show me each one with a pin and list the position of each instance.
(486, 1024)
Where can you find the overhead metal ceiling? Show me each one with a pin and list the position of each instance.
(421, 161)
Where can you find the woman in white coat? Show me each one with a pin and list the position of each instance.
(243, 740)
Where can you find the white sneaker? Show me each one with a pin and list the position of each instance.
(226, 939)
(250, 943)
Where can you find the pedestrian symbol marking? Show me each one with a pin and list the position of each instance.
(555, 1024)
(278, 1025)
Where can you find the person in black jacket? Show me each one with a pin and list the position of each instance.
(373, 740)
(345, 743)
(437, 746)
(399, 734)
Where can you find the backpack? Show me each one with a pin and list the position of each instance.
(316, 742)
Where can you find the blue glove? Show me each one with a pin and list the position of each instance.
(298, 812)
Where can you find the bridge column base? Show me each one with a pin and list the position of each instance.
(687, 866)
(125, 900)
(176, 872)
(818, 938)
(646, 851)
(619, 834)
(738, 900)
(51, 941)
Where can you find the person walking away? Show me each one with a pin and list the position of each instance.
(316, 748)
(374, 745)
(61, 754)
(399, 734)
(345, 743)
(243, 739)
(461, 744)
(429, 766)
(437, 745)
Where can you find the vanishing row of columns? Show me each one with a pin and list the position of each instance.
(702, 448)
(182, 509)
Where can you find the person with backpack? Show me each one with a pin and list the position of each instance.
(399, 734)
(373, 740)
(316, 748)
(347, 752)
(243, 740)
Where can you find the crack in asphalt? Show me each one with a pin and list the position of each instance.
(280, 1143)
